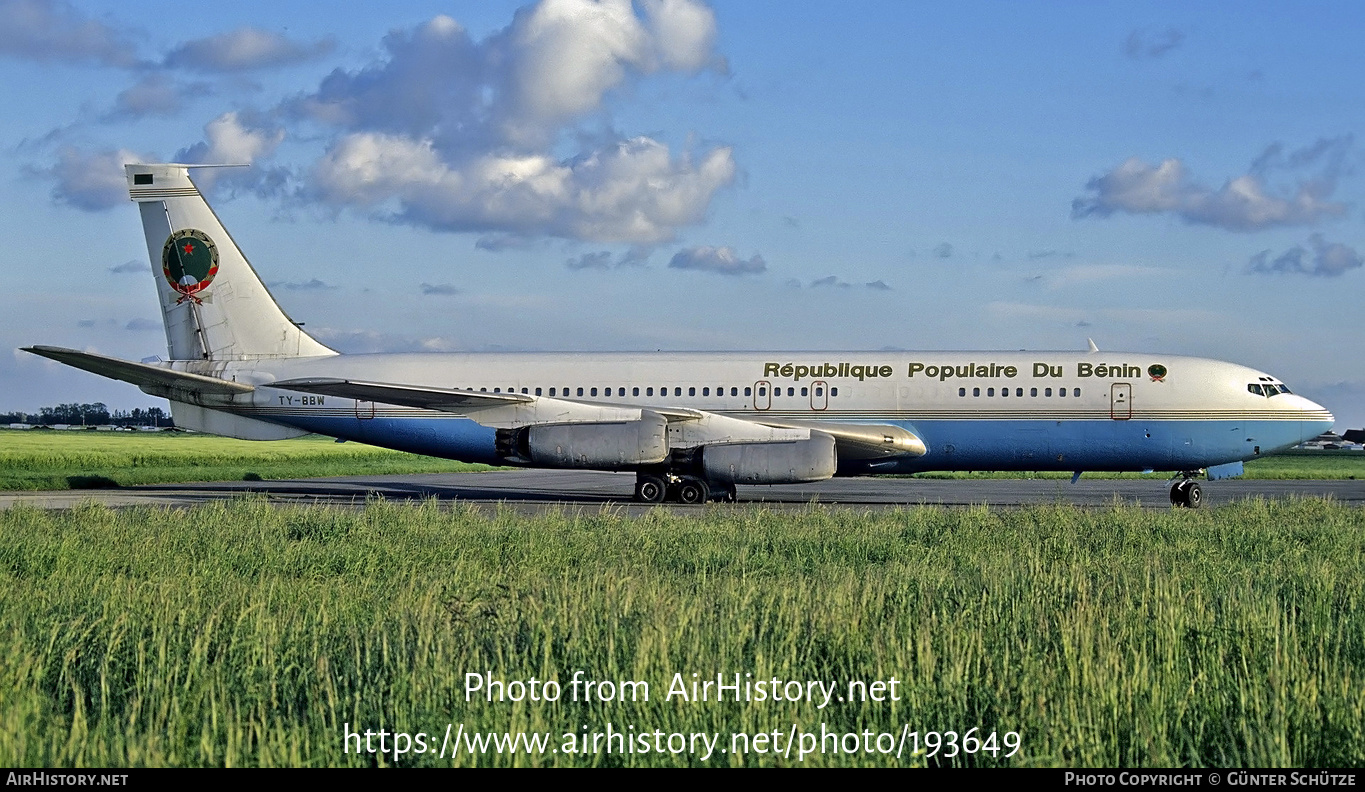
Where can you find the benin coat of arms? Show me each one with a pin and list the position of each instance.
(189, 260)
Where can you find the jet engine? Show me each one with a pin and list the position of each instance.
(597, 445)
(791, 462)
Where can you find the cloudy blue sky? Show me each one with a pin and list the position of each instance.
(672, 174)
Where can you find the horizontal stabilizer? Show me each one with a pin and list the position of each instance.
(144, 376)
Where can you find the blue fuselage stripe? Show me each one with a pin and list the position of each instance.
(987, 444)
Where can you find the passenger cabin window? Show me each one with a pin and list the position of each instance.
(976, 391)
(990, 391)
(834, 391)
(537, 391)
(1076, 392)
(735, 391)
(1061, 391)
(819, 391)
(1047, 391)
(691, 391)
(1004, 391)
(649, 391)
(580, 391)
(791, 391)
(677, 391)
(706, 391)
(634, 391)
(961, 391)
(1018, 391)
(1033, 391)
(749, 392)
(761, 391)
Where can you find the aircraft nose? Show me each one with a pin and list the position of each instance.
(1315, 420)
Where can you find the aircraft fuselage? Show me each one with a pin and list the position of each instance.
(973, 410)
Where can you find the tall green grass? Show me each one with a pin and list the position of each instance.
(248, 634)
(39, 460)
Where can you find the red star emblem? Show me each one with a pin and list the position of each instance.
(188, 248)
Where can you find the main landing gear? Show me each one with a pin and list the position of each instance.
(1186, 493)
(688, 490)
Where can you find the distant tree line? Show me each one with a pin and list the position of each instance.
(96, 414)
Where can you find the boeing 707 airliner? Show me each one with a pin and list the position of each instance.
(691, 426)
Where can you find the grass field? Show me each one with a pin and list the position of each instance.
(1285, 465)
(32, 460)
(249, 634)
(36, 460)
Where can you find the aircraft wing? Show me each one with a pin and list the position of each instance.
(443, 399)
(151, 379)
(498, 410)
(865, 441)
(689, 427)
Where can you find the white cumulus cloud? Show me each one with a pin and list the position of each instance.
(721, 260)
(50, 30)
(461, 135)
(242, 49)
(632, 191)
(1244, 203)
(1325, 259)
(91, 180)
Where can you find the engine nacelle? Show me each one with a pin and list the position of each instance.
(791, 462)
(599, 445)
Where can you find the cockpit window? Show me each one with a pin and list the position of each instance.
(1256, 389)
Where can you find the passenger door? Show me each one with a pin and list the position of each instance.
(1121, 401)
(819, 395)
(763, 395)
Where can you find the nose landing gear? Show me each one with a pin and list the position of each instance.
(1187, 493)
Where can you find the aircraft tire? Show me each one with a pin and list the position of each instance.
(693, 491)
(650, 489)
(1194, 495)
(1187, 494)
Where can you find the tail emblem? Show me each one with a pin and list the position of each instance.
(189, 260)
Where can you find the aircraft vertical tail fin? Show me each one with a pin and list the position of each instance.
(213, 303)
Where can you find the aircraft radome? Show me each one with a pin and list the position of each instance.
(691, 426)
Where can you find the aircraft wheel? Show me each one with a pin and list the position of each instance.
(1187, 494)
(650, 489)
(692, 491)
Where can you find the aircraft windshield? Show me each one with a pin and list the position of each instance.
(1267, 388)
